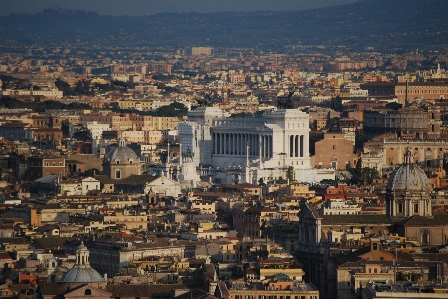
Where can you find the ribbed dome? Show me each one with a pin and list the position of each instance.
(84, 275)
(121, 153)
(408, 177)
(82, 272)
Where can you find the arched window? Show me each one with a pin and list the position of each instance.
(87, 292)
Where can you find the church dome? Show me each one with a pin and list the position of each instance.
(81, 275)
(82, 272)
(408, 177)
(121, 153)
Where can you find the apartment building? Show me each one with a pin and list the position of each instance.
(41, 166)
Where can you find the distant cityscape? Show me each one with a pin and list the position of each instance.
(187, 169)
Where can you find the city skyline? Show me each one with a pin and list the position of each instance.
(223, 149)
(143, 7)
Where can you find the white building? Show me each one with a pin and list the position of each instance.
(90, 183)
(247, 149)
(95, 127)
(195, 133)
(51, 93)
(341, 207)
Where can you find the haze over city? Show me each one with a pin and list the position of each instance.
(148, 7)
(214, 149)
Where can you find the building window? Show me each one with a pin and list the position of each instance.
(117, 174)
(87, 292)
(416, 208)
(400, 208)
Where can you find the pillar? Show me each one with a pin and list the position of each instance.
(239, 143)
(265, 146)
(291, 145)
(302, 145)
(296, 145)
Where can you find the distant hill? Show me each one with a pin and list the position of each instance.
(383, 24)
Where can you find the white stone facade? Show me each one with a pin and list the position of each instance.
(277, 141)
(247, 149)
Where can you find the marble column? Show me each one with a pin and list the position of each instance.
(291, 145)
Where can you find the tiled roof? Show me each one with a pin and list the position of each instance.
(15, 125)
(358, 219)
(51, 289)
(5, 256)
(14, 240)
(403, 264)
(197, 294)
(437, 220)
(147, 291)
(50, 243)
(131, 180)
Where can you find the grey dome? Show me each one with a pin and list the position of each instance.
(408, 177)
(121, 153)
(81, 272)
(84, 275)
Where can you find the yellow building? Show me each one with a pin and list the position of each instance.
(99, 81)
(155, 263)
(278, 286)
(299, 191)
(165, 122)
(133, 136)
(153, 137)
(142, 105)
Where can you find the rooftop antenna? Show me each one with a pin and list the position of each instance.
(180, 157)
(247, 154)
(168, 157)
(406, 99)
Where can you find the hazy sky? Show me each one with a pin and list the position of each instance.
(147, 7)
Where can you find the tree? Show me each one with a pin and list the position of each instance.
(368, 174)
(174, 109)
(363, 175)
(63, 86)
(83, 88)
(394, 105)
(336, 104)
(286, 103)
(83, 134)
(333, 123)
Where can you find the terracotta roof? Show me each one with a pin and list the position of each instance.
(14, 240)
(51, 289)
(402, 264)
(5, 256)
(359, 219)
(436, 220)
(15, 125)
(197, 294)
(131, 180)
(147, 291)
(50, 243)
